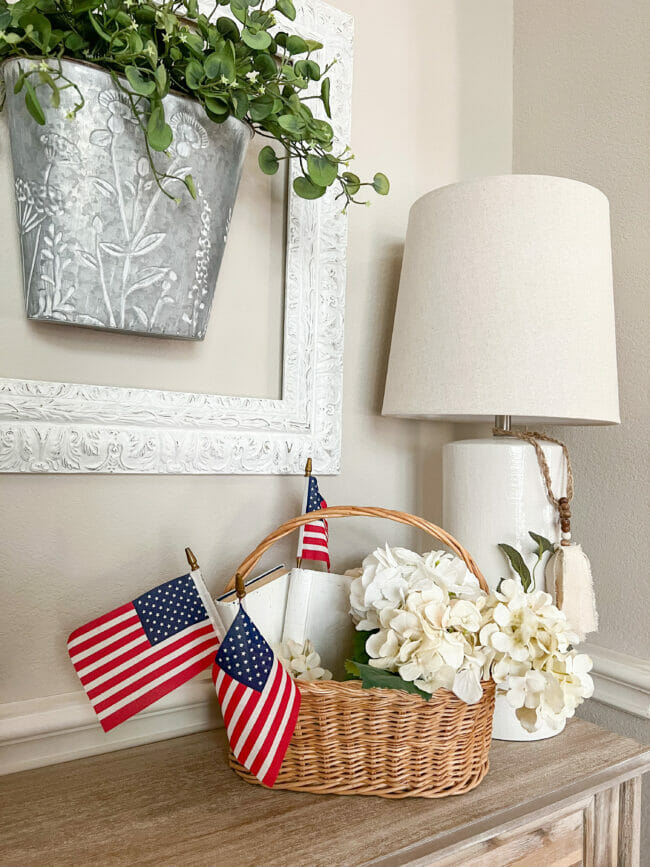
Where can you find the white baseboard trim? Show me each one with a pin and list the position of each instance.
(620, 680)
(58, 728)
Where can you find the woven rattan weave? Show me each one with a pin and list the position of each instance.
(386, 742)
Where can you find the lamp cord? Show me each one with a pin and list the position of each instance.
(561, 503)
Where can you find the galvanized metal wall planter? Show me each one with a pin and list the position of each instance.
(102, 246)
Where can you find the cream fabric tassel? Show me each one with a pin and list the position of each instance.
(569, 581)
(568, 571)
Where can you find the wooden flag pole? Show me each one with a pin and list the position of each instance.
(308, 466)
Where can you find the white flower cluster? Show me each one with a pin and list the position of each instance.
(542, 677)
(301, 661)
(434, 626)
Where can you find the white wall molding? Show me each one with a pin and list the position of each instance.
(58, 728)
(620, 680)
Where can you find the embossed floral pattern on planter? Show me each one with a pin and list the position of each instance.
(101, 245)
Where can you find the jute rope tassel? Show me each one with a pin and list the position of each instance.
(568, 571)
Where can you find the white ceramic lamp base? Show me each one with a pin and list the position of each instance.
(493, 492)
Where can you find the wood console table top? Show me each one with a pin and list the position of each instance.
(176, 802)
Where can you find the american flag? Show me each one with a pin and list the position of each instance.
(143, 650)
(313, 542)
(259, 700)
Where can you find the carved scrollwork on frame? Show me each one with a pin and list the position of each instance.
(54, 427)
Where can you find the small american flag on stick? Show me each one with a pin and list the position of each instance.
(314, 536)
(143, 650)
(258, 699)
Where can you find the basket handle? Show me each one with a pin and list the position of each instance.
(245, 568)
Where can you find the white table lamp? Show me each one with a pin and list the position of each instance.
(505, 313)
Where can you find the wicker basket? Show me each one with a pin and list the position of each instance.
(354, 741)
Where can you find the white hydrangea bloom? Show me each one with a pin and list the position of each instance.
(301, 661)
(435, 627)
(535, 667)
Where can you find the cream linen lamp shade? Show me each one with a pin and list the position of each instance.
(505, 305)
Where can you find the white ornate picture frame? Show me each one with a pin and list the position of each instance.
(58, 427)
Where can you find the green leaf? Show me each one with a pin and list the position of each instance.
(359, 652)
(325, 95)
(228, 29)
(261, 107)
(221, 62)
(352, 182)
(140, 85)
(193, 74)
(297, 45)
(189, 183)
(41, 29)
(192, 12)
(322, 170)
(542, 543)
(312, 45)
(20, 82)
(381, 184)
(287, 8)
(104, 34)
(258, 41)
(307, 189)
(377, 678)
(292, 124)
(33, 105)
(240, 103)
(517, 562)
(266, 66)
(162, 80)
(216, 106)
(75, 42)
(268, 161)
(159, 133)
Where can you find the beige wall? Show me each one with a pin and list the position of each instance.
(582, 109)
(431, 105)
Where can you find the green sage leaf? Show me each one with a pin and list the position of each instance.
(517, 562)
(542, 543)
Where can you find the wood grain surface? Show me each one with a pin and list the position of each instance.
(176, 802)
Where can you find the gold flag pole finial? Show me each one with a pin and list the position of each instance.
(239, 587)
(191, 559)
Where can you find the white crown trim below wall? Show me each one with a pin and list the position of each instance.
(58, 728)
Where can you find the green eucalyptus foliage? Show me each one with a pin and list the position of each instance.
(236, 61)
